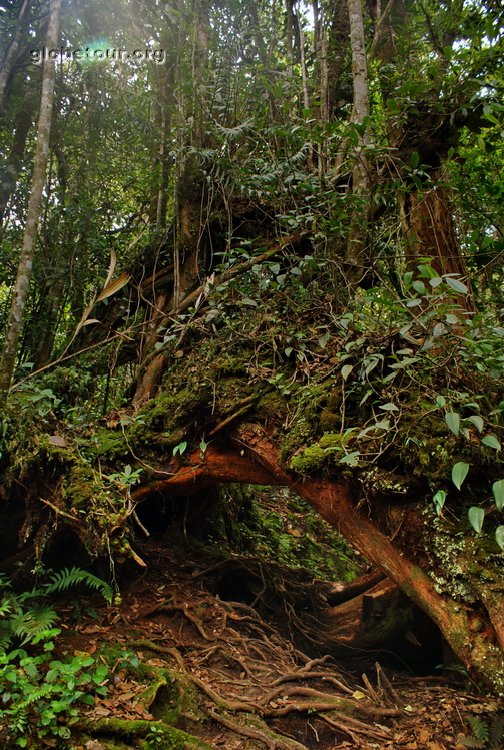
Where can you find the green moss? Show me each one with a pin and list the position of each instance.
(109, 444)
(315, 456)
(173, 739)
(309, 459)
(226, 365)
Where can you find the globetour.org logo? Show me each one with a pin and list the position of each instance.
(99, 50)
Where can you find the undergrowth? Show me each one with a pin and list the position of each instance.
(39, 693)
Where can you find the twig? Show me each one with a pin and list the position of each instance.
(58, 511)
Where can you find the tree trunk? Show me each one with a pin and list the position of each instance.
(356, 244)
(12, 51)
(429, 228)
(14, 161)
(15, 323)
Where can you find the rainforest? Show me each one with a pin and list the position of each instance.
(251, 374)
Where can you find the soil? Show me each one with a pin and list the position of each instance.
(229, 674)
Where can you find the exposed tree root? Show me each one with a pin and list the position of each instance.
(257, 460)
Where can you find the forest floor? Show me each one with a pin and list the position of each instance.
(183, 654)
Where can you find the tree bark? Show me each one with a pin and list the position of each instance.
(356, 244)
(15, 322)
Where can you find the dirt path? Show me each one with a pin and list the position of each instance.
(225, 677)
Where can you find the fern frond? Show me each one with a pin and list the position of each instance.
(471, 742)
(496, 732)
(5, 607)
(5, 636)
(479, 727)
(27, 625)
(63, 579)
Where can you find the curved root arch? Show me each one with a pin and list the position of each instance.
(252, 458)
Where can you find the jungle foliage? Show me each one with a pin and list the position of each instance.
(288, 217)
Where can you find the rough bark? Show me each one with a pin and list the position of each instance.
(25, 266)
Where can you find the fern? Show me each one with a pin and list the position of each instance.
(496, 732)
(26, 622)
(480, 728)
(26, 625)
(64, 579)
(471, 742)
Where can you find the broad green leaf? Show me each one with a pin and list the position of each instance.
(407, 278)
(476, 517)
(351, 459)
(389, 407)
(499, 536)
(249, 302)
(418, 286)
(426, 270)
(456, 285)
(459, 473)
(324, 339)
(452, 419)
(440, 401)
(452, 319)
(414, 159)
(345, 371)
(498, 493)
(439, 501)
(477, 421)
(492, 442)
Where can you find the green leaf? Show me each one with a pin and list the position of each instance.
(476, 517)
(351, 459)
(492, 442)
(459, 473)
(439, 501)
(389, 407)
(499, 536)
(452, 319)
(324, 339)
(440, 401)
(408, 276)
(456, 285)
(452, 419)
(477, 421)
(419, 286)
(249, 302)
(180, 448)
(345, 371)
(414, 159)
(498, 493)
